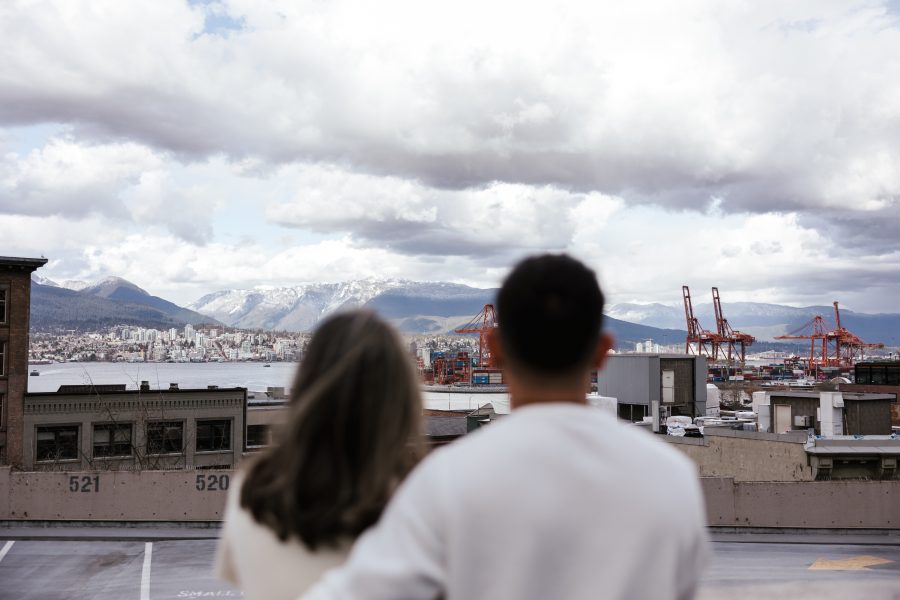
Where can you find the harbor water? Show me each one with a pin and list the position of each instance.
(254, 376)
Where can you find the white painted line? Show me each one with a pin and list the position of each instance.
(145, 573)
(6, 548)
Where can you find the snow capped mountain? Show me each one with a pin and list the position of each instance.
(68, 284)
(43, 280)
(112, 286)
(296, 308)
(74, 284)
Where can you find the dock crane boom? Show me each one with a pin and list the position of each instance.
(731, 337)
(706, 342)
(482, 324)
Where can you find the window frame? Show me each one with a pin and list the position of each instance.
(111, 429)
(55, 427)
(266, 435)
(4, 304)
(163, 450)
(227, 437)
(4, 350)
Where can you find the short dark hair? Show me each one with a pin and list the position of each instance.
(550, 314)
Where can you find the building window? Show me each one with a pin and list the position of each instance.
(57, 443)
(213, 435)
(2, 359)
(4, 303)
(2, 412)
(892, 374)
(257, 436)
(112, 440)
(165, 437)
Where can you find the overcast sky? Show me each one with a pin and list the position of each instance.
(197, 146)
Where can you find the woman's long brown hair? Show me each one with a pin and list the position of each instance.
(353, 432)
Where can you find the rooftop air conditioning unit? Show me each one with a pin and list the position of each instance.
(802, 421)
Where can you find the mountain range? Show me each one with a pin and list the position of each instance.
(113, 301)
(765, 321)
(413, 307)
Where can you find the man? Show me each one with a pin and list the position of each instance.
(555, 501)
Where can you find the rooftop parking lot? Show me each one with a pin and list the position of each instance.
(108, 563)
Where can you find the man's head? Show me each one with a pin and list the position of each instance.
(550, 311)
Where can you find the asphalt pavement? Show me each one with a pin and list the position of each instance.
(79, 563)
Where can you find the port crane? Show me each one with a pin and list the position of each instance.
(847, 346)
(816, 331)
(706, 342)
(836, 347)
(732, 338)
(482, 324)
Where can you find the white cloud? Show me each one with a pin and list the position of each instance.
(756, 145)
(68, 178)
(493, 221)
(768, 105)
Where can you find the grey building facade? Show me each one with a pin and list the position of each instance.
(677, 381)
(111, 428)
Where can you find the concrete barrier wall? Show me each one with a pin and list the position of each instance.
(748, 456)
(114, 495)
(200, 496)
(812, 504)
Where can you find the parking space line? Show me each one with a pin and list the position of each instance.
(6, 548)
(145, 572)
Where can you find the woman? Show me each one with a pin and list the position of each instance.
(353, 432)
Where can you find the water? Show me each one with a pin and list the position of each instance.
(253, 376)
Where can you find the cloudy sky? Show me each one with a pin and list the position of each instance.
(196, 146)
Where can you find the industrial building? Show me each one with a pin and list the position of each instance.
(86, 427)
(675, 383)
(826, 413)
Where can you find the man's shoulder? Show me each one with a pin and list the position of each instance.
(556, 428)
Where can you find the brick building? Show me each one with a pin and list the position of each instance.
(108, 427)
(15, 307)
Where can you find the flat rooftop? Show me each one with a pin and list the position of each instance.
(22, 263)
(106, 563)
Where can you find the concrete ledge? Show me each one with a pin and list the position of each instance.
(690, 441)
(794, 437)
(109, 531)
(793, 535)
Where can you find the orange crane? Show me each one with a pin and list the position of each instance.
(707, 342)
(846, 346)
(816, 331)
(731, 337)
(482, 324)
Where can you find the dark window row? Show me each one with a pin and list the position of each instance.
(60, 442)
(888, 374)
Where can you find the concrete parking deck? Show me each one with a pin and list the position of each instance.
(140, 562)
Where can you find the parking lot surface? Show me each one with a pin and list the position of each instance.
(91, 563)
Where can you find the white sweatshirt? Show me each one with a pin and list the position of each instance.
(251, 556)
(555, 501)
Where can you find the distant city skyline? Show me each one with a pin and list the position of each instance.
(191, 147)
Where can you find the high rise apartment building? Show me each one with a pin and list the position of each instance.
(15, 306)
